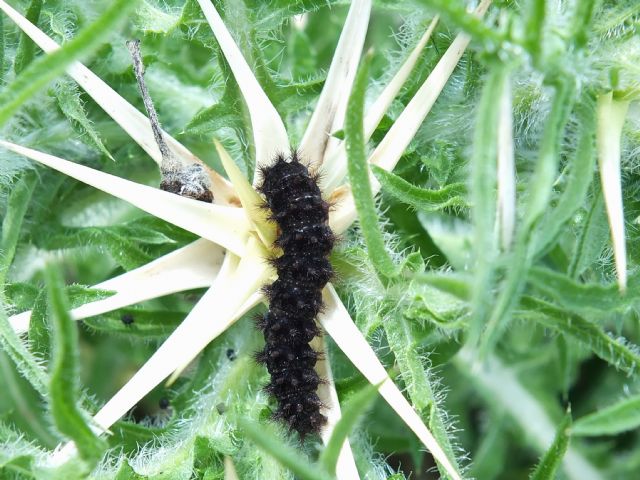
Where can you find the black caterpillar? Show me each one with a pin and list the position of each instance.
(295, 298)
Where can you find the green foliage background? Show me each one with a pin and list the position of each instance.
(551, 327)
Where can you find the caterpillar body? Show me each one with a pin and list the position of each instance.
(295, 298)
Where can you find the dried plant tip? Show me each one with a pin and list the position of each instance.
(191, 181)
(168, 160)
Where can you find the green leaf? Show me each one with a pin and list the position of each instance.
(297, 95)
(551, 460)
(26, 47)
(582, 21)
(39, 332)
(355, 407)
(78, 295)
(580, 175)
(40, 325)
(585, 297)
(21, 405)
(358, 169)
(455, 284)
(223, 114)
(483, 198)
(125, 472)
(47, 67)
(147, 324)
(63, 383)
(206, 458)
(614, 350)
(17, 453)
(592, 238)
(68, 97)
(287, 456)
(546, 171)
(533, 27)
(21, 296)
(12, 222)
(490, 457)
(150, 19)
(419, 383)
(129, 436)
(421, 198)
(25, 361)
(124, 242)
(612, 420)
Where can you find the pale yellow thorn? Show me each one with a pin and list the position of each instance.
(270, 135)
(395, 142)
(346, 467)
(212, 315)
(329, 113)
(337, 323)
(506, 208)
(236, 296)
(193, 266)
(611, 116)
(397, 139)
(226, 226)
(131, 120)
(335, 165)
(230, 469)
(251, 201)
(344, 214)
(377, 110)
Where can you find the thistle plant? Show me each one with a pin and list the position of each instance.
(480, 160)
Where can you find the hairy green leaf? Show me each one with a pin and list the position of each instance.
(419, 382)
(551, 460)
(585, 297)
(612, 420)
(483, 198)
(26, 48)
(614, 350)
(12, 221)
(455, 12)
(421, 198)
(63, 383)
(592, 238)
(71, 105)
(25, 361)
(359, 180)
(137, 323)
(579, 179)
(534, 26)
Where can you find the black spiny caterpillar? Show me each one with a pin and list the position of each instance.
(295, 298)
